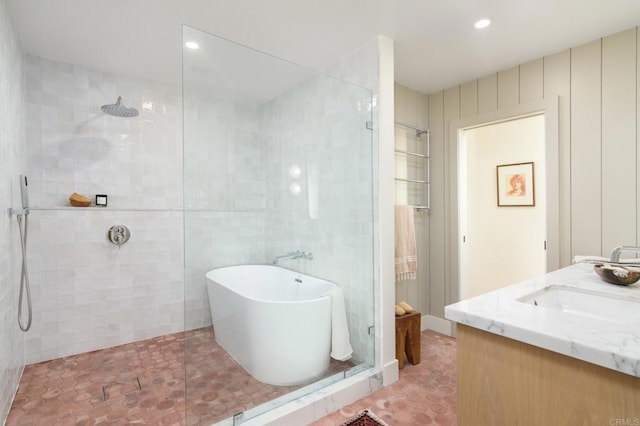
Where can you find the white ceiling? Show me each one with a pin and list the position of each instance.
(436, 45)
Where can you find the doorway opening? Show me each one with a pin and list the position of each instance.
(503, 236)
(499, 238)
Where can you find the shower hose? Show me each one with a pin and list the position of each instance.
(24, 277)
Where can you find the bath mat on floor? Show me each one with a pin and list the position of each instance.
(365, 418)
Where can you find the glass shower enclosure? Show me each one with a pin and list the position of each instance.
(277, 159)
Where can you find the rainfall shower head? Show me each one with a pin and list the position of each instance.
(119, 110)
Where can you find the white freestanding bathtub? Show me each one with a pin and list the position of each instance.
(274, 322)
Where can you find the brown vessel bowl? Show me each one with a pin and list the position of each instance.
(608, 275)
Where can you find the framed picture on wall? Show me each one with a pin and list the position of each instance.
(516, 186)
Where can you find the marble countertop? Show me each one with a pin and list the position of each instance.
(610, 344)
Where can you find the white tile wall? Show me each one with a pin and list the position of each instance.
(320, 127)
(90, 294)
(74, 147)
(225, 195)
(224, 156)
(87, 293)
(238, 205)
(216, 239)
(362, 67)
(11, 165)
(240, 208)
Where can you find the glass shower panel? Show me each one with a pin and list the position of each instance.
(277, 158)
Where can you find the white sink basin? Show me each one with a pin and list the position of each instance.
(584, 303)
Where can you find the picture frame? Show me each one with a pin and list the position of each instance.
(516, 185)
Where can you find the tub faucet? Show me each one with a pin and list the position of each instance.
(615, 254)
(294, 255)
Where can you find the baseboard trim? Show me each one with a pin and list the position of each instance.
(429, 322)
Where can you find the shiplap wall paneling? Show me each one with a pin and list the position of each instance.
(422, 220)
(412, 113)
(468, 108)
(597, 109)
(488, 93)
(557, 82)
(469, 99)
(451, 113)
(508, 88)
(436, 219)
(531, 81)
(413, 190)
(416, 166)
(637, 135)
(618, 140)
(400, 102)
(411, 108)
(400, 188)
(586, 157)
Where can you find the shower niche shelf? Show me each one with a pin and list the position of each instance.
(102, 209)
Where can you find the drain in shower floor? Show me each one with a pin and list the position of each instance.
(123, 388)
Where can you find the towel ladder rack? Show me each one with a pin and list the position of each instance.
(427, 165)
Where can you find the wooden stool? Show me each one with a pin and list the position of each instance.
(408, 338)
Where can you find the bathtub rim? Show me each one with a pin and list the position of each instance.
(275, 302)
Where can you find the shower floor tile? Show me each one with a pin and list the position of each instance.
(142, 382)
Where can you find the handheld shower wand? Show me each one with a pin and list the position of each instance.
(22, 217)
(24, 194)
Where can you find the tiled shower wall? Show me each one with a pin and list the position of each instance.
(74, 147)
(224, 192)
(318, 126)
(320, 129)
(239, 206)
(88, 293)
(11, 165)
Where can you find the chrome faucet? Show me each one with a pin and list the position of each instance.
(294, 255)
(615, 254)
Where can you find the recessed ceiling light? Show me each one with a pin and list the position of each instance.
(482, 23)
(192, 45)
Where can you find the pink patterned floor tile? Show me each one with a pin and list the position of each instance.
(424, 395)
(144, 382)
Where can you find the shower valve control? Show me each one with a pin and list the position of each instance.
(118, 234)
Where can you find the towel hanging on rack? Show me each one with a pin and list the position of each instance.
(406, 259)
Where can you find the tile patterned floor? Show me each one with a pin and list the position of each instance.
(424, 395)
(142, 383)
(134, 383)
(217, 387)
(101, 387)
